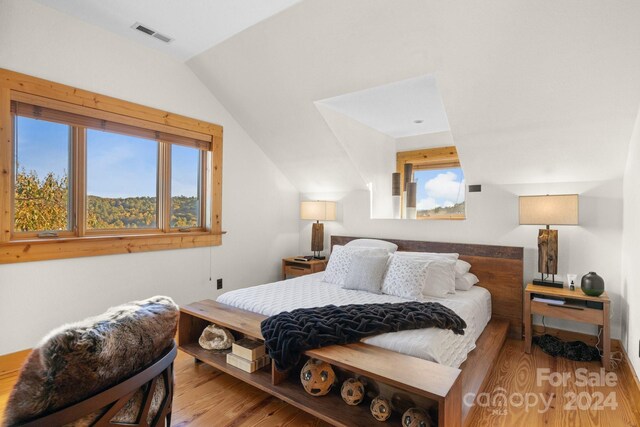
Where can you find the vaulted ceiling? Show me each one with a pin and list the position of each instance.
(534, 90)
(194, 25)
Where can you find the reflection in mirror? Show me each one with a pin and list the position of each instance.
(434, 183)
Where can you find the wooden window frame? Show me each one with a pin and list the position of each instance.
(426, 159)
(121, 116)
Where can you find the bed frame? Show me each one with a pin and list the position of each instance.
(500, 270)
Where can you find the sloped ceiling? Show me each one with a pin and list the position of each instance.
(194, 25)
(535, 91)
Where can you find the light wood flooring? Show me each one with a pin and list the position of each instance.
(206, 397)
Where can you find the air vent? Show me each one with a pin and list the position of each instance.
(153, 33)
(162, 37)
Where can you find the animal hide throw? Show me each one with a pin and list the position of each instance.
(79, 360)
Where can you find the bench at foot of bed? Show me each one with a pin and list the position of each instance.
(412, 378)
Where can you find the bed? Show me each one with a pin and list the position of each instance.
(434, 369)
(437, 345)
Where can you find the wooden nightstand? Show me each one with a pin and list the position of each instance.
(291, 267)
(575, 309)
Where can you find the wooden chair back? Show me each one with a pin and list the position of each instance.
(116, 397)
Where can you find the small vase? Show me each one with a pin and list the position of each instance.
(592, 284)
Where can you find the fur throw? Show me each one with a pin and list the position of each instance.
(79, 360)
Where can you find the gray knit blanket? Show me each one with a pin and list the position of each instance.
(289, 334)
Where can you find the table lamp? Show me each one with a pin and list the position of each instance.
(317, 210)
(548, 210)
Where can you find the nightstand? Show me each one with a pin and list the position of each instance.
(578, 307)
(291, 267)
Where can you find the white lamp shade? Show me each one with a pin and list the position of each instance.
(549, 210)
(318, 210)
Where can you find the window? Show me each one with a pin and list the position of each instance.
(93, 175)
(186, 183)
(42, 165)
(440, 189)
(122, 181)
(440, 192)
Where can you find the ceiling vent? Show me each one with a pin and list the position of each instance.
(153, 33)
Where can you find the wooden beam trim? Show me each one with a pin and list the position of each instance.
(26, 251)
(80, 110)
(6, 164)
(216, 186)
(33, 85)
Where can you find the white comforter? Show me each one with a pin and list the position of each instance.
(437, 345)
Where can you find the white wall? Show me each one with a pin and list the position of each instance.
(631, 252)
(35, 297)
(492, 218)
(372, 153)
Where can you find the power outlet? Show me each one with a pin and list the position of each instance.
(219, 283)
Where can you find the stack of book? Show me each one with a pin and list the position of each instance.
(550, 300)
(248, 355)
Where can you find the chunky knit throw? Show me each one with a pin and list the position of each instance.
(289, 334)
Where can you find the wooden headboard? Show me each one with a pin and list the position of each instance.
(499, 268)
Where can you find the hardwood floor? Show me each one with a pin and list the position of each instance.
(515, 372)
(206, 397)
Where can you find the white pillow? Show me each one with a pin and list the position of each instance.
(373, 243)
(441, 278)
(405, 277)
(462, 268)
(340, 262)
(466, 282)
(366, 273)
(427, 255)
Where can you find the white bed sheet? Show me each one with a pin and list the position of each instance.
(434, 344)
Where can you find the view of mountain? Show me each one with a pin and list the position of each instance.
(42, 204)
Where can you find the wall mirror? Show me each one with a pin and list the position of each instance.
(398, 138)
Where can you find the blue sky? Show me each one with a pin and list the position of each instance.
(439, 187)
(117, 165)
(43, 158)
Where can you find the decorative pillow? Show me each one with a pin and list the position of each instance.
(373, 243)
(340, 262)
(81, 359)
(405, 277)
(462, 268)
(466, 282)
(441, 278)
(366, 273)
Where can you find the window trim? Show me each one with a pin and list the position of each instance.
(191, 132)
(429, 159)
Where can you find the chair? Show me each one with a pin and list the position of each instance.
(116, 397)
(112, 369)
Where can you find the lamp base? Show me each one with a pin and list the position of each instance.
(320, 257)
(549, 283)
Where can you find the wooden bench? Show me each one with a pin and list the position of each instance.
(416, 377)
